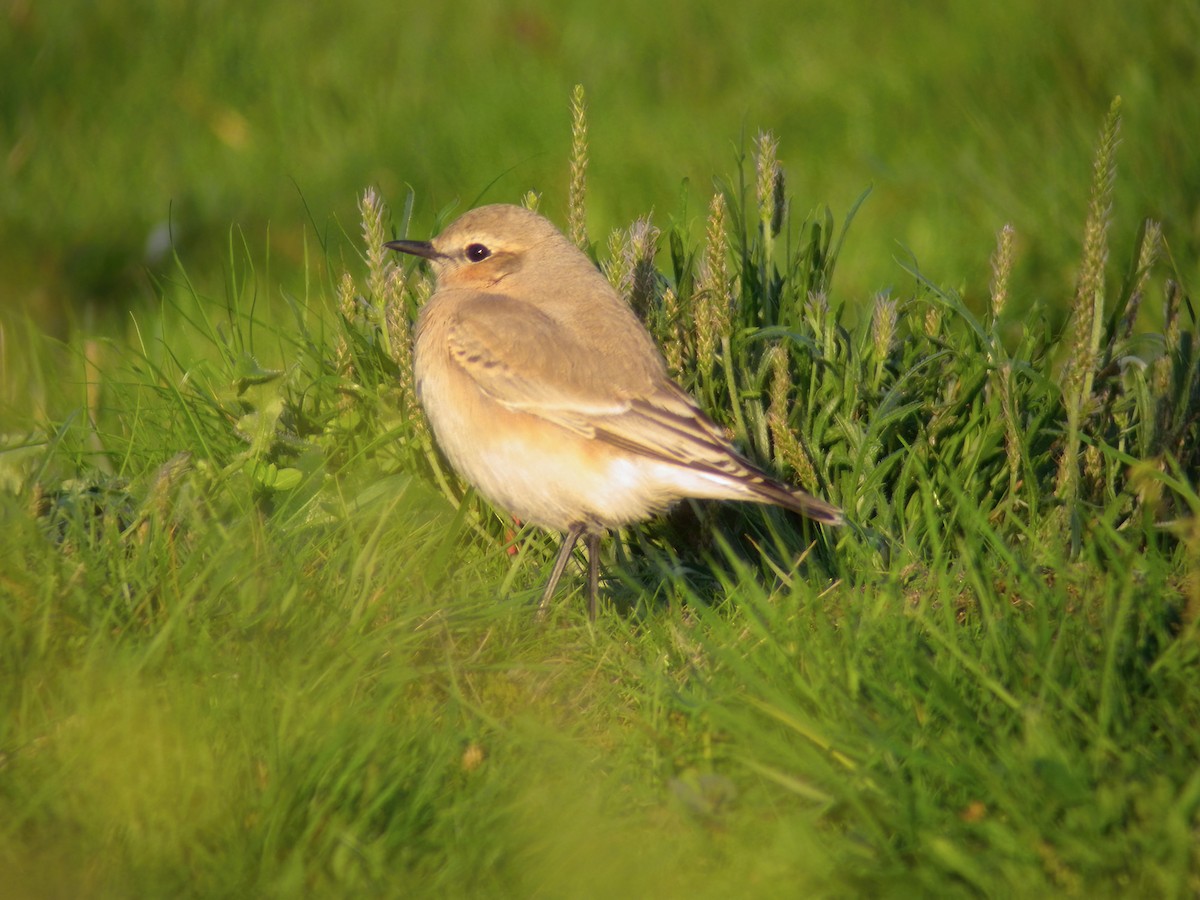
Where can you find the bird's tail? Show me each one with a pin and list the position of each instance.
(797, 500)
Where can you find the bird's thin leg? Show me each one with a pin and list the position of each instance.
(591, 541)
(560, 563)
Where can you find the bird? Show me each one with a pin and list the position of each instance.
(545, 391)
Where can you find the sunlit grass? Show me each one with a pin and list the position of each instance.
(258, 640)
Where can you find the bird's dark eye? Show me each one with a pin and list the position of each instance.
(477, 252)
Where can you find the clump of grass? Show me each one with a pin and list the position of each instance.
(930, 402)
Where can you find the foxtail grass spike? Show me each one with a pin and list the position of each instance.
(713, 316)
(883, 333)
(618, 268)
(1087, 314)
(1002, 261)
(766, 171)
(643, 245)
(347, 295)
(788, 447)
(674, 347)
(380, 262)
(577, 190)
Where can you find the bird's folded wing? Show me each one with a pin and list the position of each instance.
(670, 427)
(525, 360)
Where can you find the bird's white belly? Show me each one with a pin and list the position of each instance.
(557, 483)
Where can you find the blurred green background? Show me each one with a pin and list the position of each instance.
(130, 126)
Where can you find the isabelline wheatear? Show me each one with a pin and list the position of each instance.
(546, 392)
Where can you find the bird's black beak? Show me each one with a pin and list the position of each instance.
(415, 248)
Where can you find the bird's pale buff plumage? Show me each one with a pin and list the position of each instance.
(548, 395)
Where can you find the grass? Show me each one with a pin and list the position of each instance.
(259, 641)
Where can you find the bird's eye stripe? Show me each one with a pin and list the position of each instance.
(477, 252)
